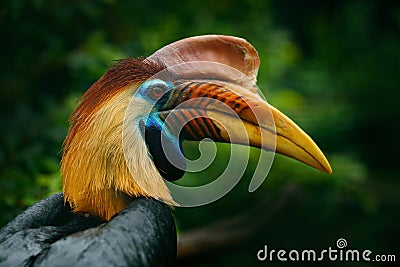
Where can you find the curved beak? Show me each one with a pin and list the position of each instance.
(234, 114)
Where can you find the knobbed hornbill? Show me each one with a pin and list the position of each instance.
(109, 182)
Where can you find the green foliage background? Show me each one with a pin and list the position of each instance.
(332, 66)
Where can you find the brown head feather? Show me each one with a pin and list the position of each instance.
(118, 77)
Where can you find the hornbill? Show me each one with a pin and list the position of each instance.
(117, 191)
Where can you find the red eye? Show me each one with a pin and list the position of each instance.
(154, 89)
(157, 90)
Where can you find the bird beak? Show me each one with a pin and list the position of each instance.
(234, 114)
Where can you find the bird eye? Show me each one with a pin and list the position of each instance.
(155, 89)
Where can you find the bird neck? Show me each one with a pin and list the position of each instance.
(99, 177)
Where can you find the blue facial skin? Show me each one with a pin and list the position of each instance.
(160, 141)
(155, 91)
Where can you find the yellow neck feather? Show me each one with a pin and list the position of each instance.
(95, 173)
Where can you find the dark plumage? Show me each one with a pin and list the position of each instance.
(49, 234)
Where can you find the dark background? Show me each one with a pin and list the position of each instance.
(332, 66)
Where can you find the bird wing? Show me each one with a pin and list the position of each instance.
(49, 234)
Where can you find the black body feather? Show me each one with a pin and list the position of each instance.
(49, 234)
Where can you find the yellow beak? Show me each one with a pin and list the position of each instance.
(237, 115)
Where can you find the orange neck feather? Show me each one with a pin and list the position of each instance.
(96, 177)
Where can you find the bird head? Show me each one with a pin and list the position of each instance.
(125, 135)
